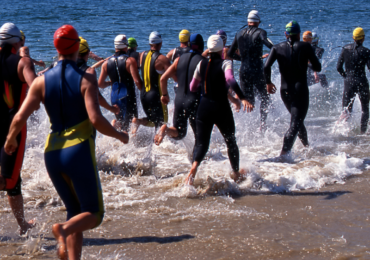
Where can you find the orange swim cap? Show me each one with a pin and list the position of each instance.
(307, 35)
(66, 40)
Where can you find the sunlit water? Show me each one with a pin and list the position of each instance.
(145, 180)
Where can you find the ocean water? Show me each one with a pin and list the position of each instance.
(142, 183)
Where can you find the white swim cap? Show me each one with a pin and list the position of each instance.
(120, 42)
(9, 33)
(253, 16)
(215, 43)
(155, 38)
(315, 38)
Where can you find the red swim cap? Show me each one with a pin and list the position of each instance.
(66, 40)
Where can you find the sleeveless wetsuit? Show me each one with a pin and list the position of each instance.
(250, 43)
(117, 72)
(355, 57)
(310, 73)
(179, 51)
(151, 93)
(13, 92)
(134, 54)
(293, 63)
(214, 109)
(70, 147)
(186, 102)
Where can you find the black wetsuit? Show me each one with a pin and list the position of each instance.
(355, 57)
(310, 73)
(186, 102)
(134, 54)
(293, 63)
(117, 72)
(179, 51)
(12, 94)
(214, 109)
(250, 43)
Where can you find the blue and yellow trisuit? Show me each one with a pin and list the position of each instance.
(70, 147)
(151, 93)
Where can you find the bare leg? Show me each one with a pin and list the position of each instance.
(16, 203)
(69, 230)
(191, 176)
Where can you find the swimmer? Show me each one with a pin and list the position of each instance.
(16, 74)
(25, 52)
(83, 56)
(123, 73)
(184, 37)
(186, 102)
(131, 51)
(355, 57)
(70, 147)
(312, 76)
(214, 108)
(293, 57)
(249, 42)
(153, 66)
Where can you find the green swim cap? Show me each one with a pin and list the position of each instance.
(132, 42)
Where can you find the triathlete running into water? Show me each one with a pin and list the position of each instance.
(70, 97)
(355, 57)
(249, 42)
(123, 73)
(293, 57)
(184, 37)
(186, 102)
(16, 74)
(214, 107)
(153, 65)
(312, 76)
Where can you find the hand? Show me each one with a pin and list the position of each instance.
(165, 99)
(123, 137)
(115, 109)
(265, 56)
(237, 105)
(247, 105)
(271, 89)
(10, 146)
(317, 78)
(42, 64)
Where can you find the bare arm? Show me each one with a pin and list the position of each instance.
(89, 89)
(31, 103)
(162, 63)
(103, 75)
(205, 53)
(169, 54)
(170, 73)
(94, 56)
(26, 71)
(133, 69)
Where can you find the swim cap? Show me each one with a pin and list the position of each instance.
(307, 35)
(222, 34)
(23, 36)
(315, 38)
(358, 34)
(184, 36)
(84, 46)
(293, 28)
(9, 33)
(215, 43)
(197, 40)
(120, 42)
(66, 40)
(254, 17)
(155, 38)
(132, 42)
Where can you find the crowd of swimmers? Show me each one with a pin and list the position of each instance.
(69, 90)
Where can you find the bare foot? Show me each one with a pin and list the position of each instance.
(113, 123)
(239, 176)
(27, 226)
(61, 240)
(189, 180)
(161, 134)
(134, 126)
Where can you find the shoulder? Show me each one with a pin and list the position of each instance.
(91, 71)
(348, 46)
(280, 45)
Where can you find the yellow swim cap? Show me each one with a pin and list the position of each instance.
(358, 34)
(184, 36)
(23, 36)
(84, 46)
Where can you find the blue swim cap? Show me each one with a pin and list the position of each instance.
(197, 39)
(293, 28)
(222, 34)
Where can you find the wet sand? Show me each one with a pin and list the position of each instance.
(332, 223)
